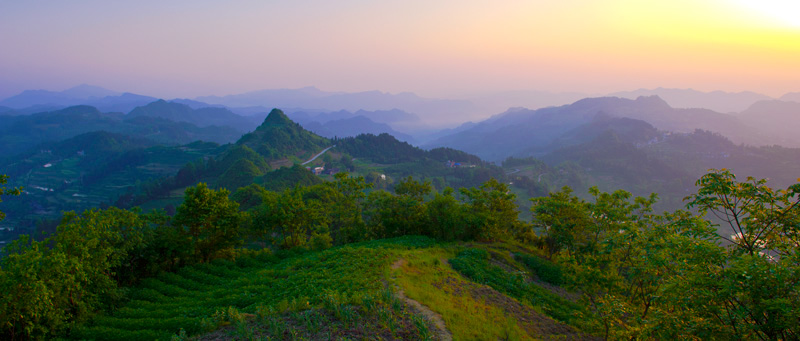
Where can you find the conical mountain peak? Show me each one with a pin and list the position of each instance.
(276, 117)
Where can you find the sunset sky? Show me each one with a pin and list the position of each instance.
(443, 48)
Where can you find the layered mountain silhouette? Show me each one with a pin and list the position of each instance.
(19, 133)
(30, 101)
(780, 118)
(354, 126)
(719, 101)
(530, 131)
(313, 98)
(202, 117)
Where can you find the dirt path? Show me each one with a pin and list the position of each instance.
(441, 329)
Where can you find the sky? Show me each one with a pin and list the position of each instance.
(445, 48)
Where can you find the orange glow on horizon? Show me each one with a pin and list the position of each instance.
(431, 48)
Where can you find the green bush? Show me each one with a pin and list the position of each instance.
(545, 270)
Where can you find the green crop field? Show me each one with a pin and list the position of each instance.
(264, 288)
(347, 292)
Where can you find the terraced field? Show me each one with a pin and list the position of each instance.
(346, 283)
(348, 292)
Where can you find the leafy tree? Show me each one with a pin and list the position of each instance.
(345, 210)
(250, 196)
(412, 188)
(30, 278)
(563, 219)
(672, 276)
(404, 213)
(289, 177)
(761, 219)
(210, 220)
(445, 217)
(50, 284)
(290, 218)
(755, 284)
(6, 191)
(493, 210)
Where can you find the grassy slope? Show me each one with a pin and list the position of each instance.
(344, 292)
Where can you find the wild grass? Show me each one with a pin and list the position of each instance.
(474, 264)
(427, 278)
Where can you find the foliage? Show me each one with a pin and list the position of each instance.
(390, 215)
(756, 283)
(446, 217)
(382, 148)
(474, 264)
(250, 196)
(288, 177)
(240, 174)
(293, 219)
(273, 287)
(669, 276)
(210, 220)
(468, 313)
(761, 219)
(545, 270)
(493, 211)
(51, 284)
(278, 137)
(6, 191)
(638, 274)
(344, 207)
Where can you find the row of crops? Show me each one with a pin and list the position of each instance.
(261, 285)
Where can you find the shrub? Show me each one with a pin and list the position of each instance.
(545, 270)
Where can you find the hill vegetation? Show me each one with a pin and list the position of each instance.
(18, 134)
(279, 137)
(604, 268)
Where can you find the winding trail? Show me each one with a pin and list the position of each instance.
(318, 155)
(441, 329)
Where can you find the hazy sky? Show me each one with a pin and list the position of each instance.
(434, 48)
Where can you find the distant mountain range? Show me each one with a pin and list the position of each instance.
(719, 101)
(432, 110)
(414, 118)
(201, 117)
(354, 126)
(201, 114)
(525, 132)
(792, 96)
(20, 133)
(103, 99)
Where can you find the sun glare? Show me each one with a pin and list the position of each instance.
(785, 12)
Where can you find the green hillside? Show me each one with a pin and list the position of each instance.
(18, 134)
(278, 137)
(313, 295)
(89, 170)
(335, 260)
